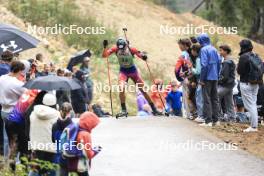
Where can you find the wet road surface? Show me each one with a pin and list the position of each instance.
(166, 147)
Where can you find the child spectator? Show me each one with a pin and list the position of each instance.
(57, 129)
(174, 101)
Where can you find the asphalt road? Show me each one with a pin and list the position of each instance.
(166, 147)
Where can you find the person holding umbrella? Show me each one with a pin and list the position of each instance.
(89, 83)
(79, 97)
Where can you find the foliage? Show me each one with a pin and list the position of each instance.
(26, 166)
(244, 14)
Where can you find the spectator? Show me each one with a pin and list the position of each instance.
(6, 59)
(41, 120)
(141, 101)
(157, 94)
(145, 112)
(39, 57)
(15, 123)
(11, 89)
(89, 83)
(62, 95)
(174, 101)
(79, 97)
(57, 129)
(39, 69)
(97, 109)
(249, 91)
(196, 71)
(182, 71)
(88, 121)
(143, 107)
(226, 83)
(52, 68)
(60, 72)
(46, 70)
(210, 68)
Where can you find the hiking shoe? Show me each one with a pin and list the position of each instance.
(210, 124)
(199, 120)
(192, 117)
(122, 114)
(250, 129)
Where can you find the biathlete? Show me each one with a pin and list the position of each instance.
(128, 69)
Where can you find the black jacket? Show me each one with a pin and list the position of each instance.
(79, 98)
(58, 127)
(227, 74)
(243, 66)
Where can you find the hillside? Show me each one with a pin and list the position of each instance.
(143, 20)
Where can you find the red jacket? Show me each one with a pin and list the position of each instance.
(114, 49)
(88, 121)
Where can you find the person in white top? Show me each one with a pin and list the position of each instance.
(10, 92)
(41, 120)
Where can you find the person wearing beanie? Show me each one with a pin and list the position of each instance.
(41, 120)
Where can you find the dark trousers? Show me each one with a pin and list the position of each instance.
(211, 110)
(177, 112)
(17, 135)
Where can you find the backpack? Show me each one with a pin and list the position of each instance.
(255, 69)
(68, 141)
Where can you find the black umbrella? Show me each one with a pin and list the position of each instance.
(78, 58)
(15, 40)
(52, 82)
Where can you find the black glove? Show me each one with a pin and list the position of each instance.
(105, 43)
(144, 57)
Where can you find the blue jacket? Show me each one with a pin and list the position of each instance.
(210, 59)
(174, 99)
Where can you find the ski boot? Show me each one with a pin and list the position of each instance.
(122, 114)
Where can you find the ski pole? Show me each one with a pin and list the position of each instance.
(110, 84)
(125, 30)
(109, 79)
(152, 79)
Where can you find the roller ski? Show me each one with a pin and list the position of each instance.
(122, 114)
